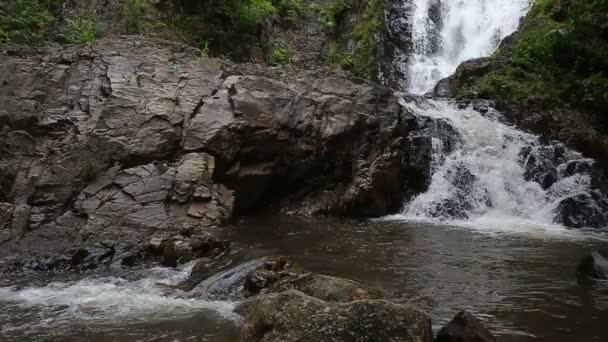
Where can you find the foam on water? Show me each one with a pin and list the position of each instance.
(489, 160)
(460, 30)
(107, 300)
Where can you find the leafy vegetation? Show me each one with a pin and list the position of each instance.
(330, 13)
(28, 21)
(80, 30)
(289, 11)
(139, 17)
(36, 22)
(279, 55)
(559, 57)
(354, 50)
(232, 28)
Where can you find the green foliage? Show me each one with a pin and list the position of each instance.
(560, 56)
(331, 11)
(279, 55)
(81, 30)
(338, 58)
(28, 21)
(356, 51)
(203, 49)
(228, 27)
(364, 63)
(139, 17)
(3, 36)
(290, 11)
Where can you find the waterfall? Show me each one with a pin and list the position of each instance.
(448, 32)
(497, 175)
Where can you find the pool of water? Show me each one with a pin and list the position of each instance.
(522, 284)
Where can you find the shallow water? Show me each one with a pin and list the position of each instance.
(521, 283)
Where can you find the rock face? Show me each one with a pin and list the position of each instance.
(593, 267)
(294, 316)
(464, 328)
(465, 74)
(129, 140)
(395, 44)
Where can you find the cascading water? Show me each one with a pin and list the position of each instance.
(448, 32)
(496, 175)
(489, 180)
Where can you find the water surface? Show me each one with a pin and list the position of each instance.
(522, 283)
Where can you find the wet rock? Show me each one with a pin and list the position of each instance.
(230, 277)
(583, 210)
(294, 316)
(593, 267)
(464, 328)
(396, 44)
(87, 259)
(466, 73)
(541, 163)
(278, 275)
(462, 194)
(431, 141)
(181, 249)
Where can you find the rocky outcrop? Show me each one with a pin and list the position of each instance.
(129, 139)
(395, 45)
(593, 267)
(294, 316)
(464, 328)
(466, 73)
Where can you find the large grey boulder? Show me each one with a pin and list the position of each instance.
(127, 138)
(293, 316)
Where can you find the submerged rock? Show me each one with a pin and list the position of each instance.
(226, 278)
(292, 316)
(464, 328)
(593, 267)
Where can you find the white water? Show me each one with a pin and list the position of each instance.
(104, 301)
(497, 194)
(467, 29)
(482, 183)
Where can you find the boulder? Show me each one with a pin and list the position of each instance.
(593, 266)
(278, 274)
(292, 316)
(464, 328)
(181, 249)
(230, 277)
(129, 138)
(466, 73)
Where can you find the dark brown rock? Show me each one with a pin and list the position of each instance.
(464, 328)
(593, 267)
(466, 73)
